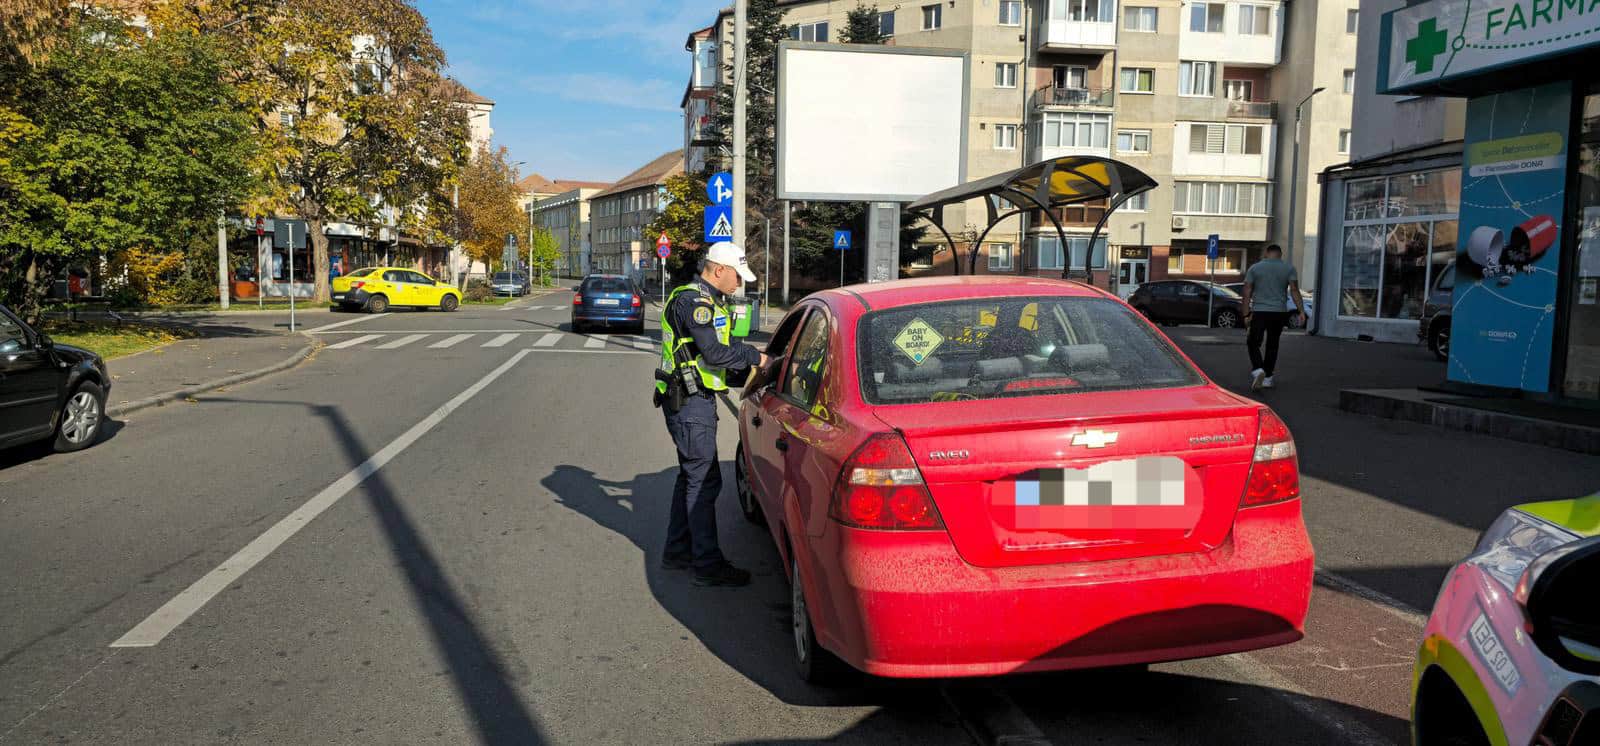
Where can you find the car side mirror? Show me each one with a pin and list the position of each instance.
(1557, 591)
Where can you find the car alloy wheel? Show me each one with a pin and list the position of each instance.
(1441, 342)
(378, 304)
(83, 418)
(1227, 320)
(449, 303)
(747, 498)
(799, 617)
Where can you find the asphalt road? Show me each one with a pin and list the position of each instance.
(443, 528)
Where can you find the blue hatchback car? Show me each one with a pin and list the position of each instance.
(611, 301)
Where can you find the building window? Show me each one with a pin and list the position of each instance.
(1239, 90)
(1133, 141)
(285, 119)
(1399, 234)
(1070, 76)
(1255, 20)
(999, 257)
(1226, 198)
(1005, 75)
(1005, 137)
(1139, 19)
(1349, 81)
(1206, 18)
(1083, 11)
(886, 23)
(1010, 12)
(1138, 80)
(1195, 78)
(1076, 130)
(1137, 203)
(809, 31)
(1050, 256)
(1350, 18)
(1344, 142)
(932, 17)
(922, 255)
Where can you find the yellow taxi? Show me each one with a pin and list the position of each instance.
(375, 289)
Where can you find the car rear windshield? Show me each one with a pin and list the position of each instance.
(508, 277)
(606, 285)
(361, 272)
(1008, 347)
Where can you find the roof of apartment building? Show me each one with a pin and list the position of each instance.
(654, 172)
(463, 94)
(538, 184)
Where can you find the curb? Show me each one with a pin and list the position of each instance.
(304, 353)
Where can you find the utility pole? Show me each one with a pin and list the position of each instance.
(222, 262)
(786, 216)
(741, 105)
(1294, 181)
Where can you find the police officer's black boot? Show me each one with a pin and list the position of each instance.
(722, 574)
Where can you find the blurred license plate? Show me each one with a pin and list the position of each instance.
(1151, 492)
(338, 296)
(607, 302)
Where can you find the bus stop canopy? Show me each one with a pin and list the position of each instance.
(1042, 186)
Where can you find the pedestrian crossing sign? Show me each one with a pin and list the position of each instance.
(719, 224)
(841, 240)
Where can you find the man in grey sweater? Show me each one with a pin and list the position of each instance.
(1269, 287)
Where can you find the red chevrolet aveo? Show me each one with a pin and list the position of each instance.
(971, 476)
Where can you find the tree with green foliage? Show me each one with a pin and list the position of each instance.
(86, 172)
(348, 100)
(682, 219)
(861, 26)
(546, 250)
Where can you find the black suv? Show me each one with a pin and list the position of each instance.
(48, 390)
(1185, 302)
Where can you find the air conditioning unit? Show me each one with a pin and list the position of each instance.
(1179, 222)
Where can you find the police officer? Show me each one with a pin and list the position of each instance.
(696, 344)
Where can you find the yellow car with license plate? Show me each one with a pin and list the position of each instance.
(376, 289)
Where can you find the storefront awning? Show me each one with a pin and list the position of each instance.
(1042, 186)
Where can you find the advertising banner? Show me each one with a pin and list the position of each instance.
(1513, 189)
(1428, 43)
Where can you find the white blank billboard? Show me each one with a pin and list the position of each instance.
(863, 123)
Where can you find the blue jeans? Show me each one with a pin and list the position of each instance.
(692, 524)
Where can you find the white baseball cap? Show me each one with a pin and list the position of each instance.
(730, 254)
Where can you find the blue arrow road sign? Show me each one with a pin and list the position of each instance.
(841, 240)
(719, 188)
(719, 223)
(1211, 246)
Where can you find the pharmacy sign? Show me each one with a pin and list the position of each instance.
(1427, 44)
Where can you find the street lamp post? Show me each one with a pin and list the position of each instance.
(1294, 179)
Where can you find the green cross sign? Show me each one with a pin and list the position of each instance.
(1426, 45)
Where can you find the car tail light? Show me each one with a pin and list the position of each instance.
(577, 299)
(636, 303)
(356, 284)
(880, 487)
(1274, 471)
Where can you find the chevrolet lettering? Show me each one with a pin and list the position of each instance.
(1213, 440)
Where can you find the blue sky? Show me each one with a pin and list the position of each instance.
(583, 89)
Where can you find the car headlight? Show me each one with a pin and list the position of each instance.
(1513, 541)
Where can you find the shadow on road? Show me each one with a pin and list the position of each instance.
(483, 681)
(39, 450)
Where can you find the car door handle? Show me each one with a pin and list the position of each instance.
(783, 444)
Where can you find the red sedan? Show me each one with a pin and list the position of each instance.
(970, 476)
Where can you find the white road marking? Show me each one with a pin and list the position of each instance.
(401, 342)
(337, 324)
(355, 341)
(501, 340)
(434, 331)
(184, 605)
(450, 341)
(594, 343)
(597, 352)
(548, 340)
(1394, 606)
(643, 343)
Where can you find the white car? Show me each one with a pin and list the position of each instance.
(1511, 652)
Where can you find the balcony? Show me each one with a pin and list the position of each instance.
(1078, 24)
(1234, 33)
(1216, 109)
(1041, 152)
(1052, 96)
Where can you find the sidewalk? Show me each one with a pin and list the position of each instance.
(224, 354)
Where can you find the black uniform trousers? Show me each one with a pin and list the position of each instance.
(692, 525)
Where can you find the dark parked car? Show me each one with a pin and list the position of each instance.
(1294, 321)
(1435, 326)
(48, 390)
(511, 283)
(1184, 302)
(611, 301)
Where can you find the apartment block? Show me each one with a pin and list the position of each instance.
(1200, 95)
(567, 216)
(621, 213)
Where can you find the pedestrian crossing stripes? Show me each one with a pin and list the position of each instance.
(554, 341)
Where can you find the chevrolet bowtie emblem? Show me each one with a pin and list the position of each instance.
(1094, 439)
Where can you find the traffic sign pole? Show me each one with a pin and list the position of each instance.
(1211, 267)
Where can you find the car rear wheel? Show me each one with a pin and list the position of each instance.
(747, 498)
(377, 304)
(80, 418)
(449, 303)
(1439, 340)
(1227, 318)
(815, 665)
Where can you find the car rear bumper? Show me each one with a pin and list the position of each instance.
(357, 297)
(907, 605)
(619, 316)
